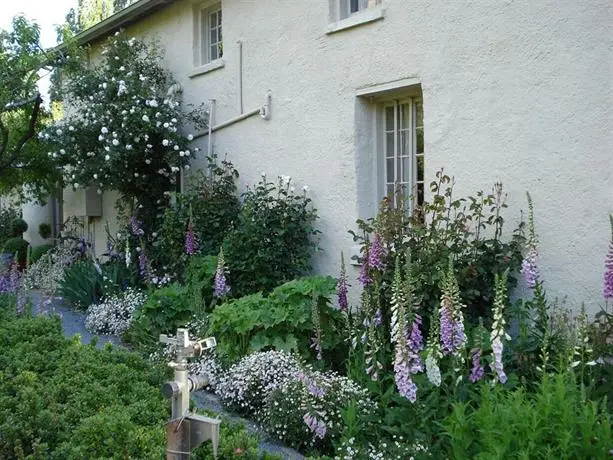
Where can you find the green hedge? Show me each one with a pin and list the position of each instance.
(60, 399)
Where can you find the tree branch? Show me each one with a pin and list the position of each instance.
(26, 136)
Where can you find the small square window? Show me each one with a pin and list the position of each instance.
(347, 8)
(208, 36)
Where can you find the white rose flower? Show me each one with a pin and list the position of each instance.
(104, 85)
(107, 157)
(165, 142)
(146, 118)
(166, 125)
(58, 132)
(190, 137)
(104, 130)
(181, 153)
(148, 161)
(176, 147)
(115, 142)
(76, 185)
(95, 176)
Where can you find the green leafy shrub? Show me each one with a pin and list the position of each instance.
(18, 227)
(60, 399)
(39, 251)
(165, 309)
(81, 285)
(282, 320)
(212, 206)
(70, 401)
(199, 281)
(44, 230)
(273, 240)
(17, 246)
(554, 422)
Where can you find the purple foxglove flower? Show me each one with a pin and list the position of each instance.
(416, 340)
(190, 240)
(378, 318)
(477, 371)
(221, 285)
(405, 385)
(142, 264)
(342, 287)
(135, 225)
(447, 330)
(529, 268)
(607, 290)
(320, 430)
(365, 278)
(314, 389)
(496, 365)
(376, 254)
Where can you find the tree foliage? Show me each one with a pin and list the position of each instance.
(23, 159)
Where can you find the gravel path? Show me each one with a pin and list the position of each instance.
(73, 322)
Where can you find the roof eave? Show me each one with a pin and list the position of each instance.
(128, 15)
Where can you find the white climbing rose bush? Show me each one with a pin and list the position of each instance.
(124, 128)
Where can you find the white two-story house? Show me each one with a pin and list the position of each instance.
(349, 97)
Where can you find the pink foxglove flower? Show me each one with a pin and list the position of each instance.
(477, 371)
(376, 254)
(607, 289)
(343, 304)
(364, 277)
(221, 284)
(529, 267)
(190, 240)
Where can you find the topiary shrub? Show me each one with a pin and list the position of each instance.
(39, 251)
(44, 230)
(18, 227)
(17, 246)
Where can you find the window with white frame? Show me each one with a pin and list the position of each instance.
(402, 149)
(347, 8)
(208, 36)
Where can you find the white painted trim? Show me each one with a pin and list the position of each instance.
(356, 19)
(206, 68)
(381, 89)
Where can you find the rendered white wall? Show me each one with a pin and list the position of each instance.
(515, 91)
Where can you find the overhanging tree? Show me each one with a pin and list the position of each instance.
(23, 159)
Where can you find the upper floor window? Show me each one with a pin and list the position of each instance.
(402, 148)
(209, 37)
(349, 7)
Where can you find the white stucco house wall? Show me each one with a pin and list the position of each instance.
(515, 91)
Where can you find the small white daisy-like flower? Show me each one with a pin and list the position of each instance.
(165, 142)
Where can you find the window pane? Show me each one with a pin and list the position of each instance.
(389, 118)
(404, 147)
(420, 168)
(389, 145)
(213, 36)
(354, 6)
(219, 32)
(219, 18)
(389, 170)
(390, 191)
(420, 139)
(419, 113)
(406, 168)
(204, 58)
(214, 52)
(405, 116)
(420, 194)
(399, 170)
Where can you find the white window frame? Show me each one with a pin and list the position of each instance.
(203, 58)
(341, 16)
(413, 179)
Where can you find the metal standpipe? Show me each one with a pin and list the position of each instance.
(187, 430)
